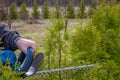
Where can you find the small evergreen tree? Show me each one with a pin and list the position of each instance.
(13, 12)
(57, 7)
(35, 12)
(3, 14)
(81, 13)
(92, 8)
(46, 10)
(54, 45)
(24, 14)
(113, 2)
(70, 10)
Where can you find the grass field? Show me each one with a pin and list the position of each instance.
(37, 31)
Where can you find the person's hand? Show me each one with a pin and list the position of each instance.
(23, 44)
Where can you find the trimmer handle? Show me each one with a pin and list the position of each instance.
(26, 59)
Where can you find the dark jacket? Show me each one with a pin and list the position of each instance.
(8, 38)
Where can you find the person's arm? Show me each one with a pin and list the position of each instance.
(8, 38)
(12, 40)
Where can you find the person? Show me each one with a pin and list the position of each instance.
(11, 40)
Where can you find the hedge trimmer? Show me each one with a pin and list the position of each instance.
(32, 63)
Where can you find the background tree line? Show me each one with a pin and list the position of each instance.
(51, 2)
(40, 2)
(10, 11)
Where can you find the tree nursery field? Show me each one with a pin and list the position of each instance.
(70, 38)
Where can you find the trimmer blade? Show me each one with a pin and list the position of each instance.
(35, 65)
